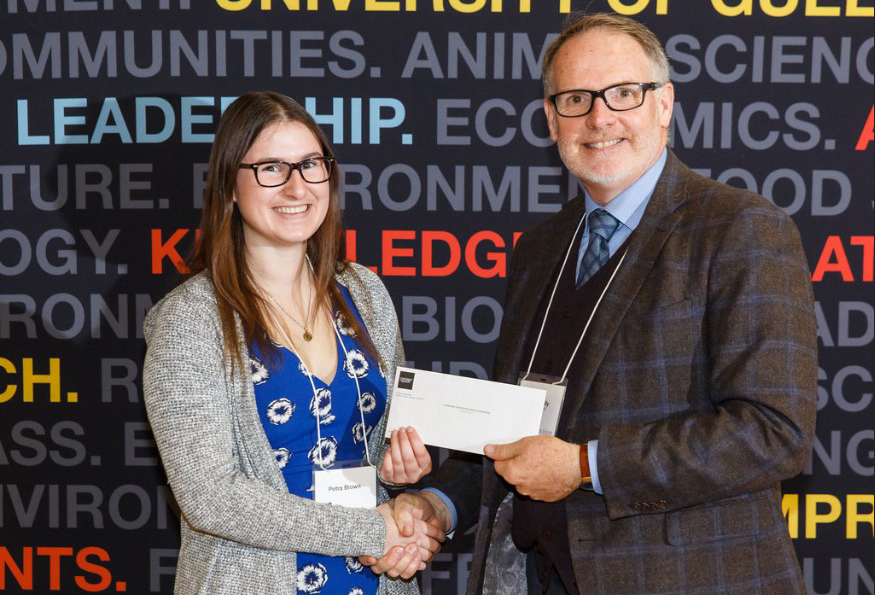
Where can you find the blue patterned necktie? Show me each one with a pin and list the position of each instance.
(602, 226)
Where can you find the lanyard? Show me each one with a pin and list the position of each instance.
(358, 389)
(550, 304)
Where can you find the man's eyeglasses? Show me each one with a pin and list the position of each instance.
(619, 98)
(276, 172)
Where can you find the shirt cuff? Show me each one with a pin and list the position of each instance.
(592, 453)
(449, 504)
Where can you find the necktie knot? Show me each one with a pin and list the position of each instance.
(603, 224)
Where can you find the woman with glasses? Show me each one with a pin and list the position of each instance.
(265, 378)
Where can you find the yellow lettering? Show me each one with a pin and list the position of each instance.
(53, 379)
(853, 9)
(813, 10)
(564, 6)
(626, 9)
(10, 388)
(790, 508)
(779, 11)
(855, 517)
(382, 5)
(813, 518)
(233, 4)
(474, 6)
(743, 7)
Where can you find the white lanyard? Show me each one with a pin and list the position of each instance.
(550, 303)
(316, 397)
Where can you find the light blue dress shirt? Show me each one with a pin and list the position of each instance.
(628, 208)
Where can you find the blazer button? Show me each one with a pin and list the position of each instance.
(548, 535)
(566, 312)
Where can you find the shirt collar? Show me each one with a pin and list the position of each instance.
(627, 206)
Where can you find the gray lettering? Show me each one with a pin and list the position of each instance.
(361, 189)
(135, 444)
(414, 191)
(90, 506)
(422, 55)
(821, 176)
(335, 44)
(157, 56)
(456, 48)
(744, 125)
(419, 310)
(12, 268)
(49, 53)
(144, 507)
(508, 187)
(480, 122)
(455, 196)
(444, 121)
(106, 52)
(711, 58)
(780, 58)
(492, 324)
(297, 53)
(854, 447)
(197, 60)
(126, 380)
(536, 189)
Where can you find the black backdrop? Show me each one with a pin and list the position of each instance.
(107, 110)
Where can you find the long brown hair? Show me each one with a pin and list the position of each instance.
(220, 249)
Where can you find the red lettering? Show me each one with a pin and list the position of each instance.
(54, 554)
(22, 574)
(351, 248)
(390, 252)
(868, 244)
(86, 566)
(867, 135)
(160, 251)
(428, 240)
(498, 258)
(516, 236)
(833, 259)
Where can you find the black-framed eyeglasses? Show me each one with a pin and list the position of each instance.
(276, 172)
(619, 98)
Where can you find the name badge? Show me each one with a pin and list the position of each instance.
(353, 487)
(555, 388)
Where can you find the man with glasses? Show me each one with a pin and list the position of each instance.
(676, 313)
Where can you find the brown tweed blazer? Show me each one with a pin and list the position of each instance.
(699, 383)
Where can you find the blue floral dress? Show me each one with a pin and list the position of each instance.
(289, 410)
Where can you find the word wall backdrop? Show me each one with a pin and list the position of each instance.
(434, 109)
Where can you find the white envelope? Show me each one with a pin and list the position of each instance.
(462, 413)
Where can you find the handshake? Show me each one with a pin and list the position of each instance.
(416, 524)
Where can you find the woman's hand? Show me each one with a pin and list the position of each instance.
(407, 460)
(405, 556)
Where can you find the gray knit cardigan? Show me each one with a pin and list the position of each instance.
(240, 526)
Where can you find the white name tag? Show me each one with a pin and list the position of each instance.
(552, 402)
(354, 487)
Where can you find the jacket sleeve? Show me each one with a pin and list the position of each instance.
(749, 417)
(188, 398)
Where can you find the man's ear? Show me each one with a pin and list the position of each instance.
(552, 119)
(666, 104)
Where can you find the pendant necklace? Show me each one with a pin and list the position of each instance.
(308, 336)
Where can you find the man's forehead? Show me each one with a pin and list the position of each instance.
(602, 54)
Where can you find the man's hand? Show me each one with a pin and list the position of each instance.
(410, 511)
(407, 460)
(540, 467)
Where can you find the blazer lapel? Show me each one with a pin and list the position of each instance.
(644, 247)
